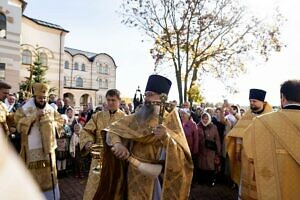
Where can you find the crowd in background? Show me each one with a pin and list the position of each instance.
(204, 127)
(220, 141)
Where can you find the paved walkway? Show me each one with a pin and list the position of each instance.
(72, 189)
(219, 192)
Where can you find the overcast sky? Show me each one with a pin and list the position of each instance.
(95, 26)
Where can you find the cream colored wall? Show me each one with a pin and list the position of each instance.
(42, 36)
(90, 75)
(85, 75)
(10, 46)
(111, 76)
(77, 93)
(49, 41)
(67, 72)
(23, 33)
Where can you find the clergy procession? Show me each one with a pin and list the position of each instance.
(149, 100)
(154, 150)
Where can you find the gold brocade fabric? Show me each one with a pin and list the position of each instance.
(233, 147)
(273, 143)
(3, 118)
(178, 168)
(51, 123)
(92, 133)
(41, 172)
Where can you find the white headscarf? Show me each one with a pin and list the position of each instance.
(9, 106)
(54, 106)
(209, 119)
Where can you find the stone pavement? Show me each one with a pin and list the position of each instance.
(219, 192)
(72, 189)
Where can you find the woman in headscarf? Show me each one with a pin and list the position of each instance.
(190, 130)
(209, 150)
(191, 135)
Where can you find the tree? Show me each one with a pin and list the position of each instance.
(200, 37)
(37, 73)
(194, 94)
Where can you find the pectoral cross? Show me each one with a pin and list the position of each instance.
(163, 105)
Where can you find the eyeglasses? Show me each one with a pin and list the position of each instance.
(149, 94)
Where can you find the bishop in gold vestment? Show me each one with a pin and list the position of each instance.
(91, 134)
(38, 122)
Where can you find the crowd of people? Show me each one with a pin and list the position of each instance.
(141, 149)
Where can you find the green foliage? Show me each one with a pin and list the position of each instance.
(37, 74)
(194, 94)
(39, 71)
(200, 37)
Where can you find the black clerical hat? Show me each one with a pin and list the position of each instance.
(158, 84)
(257, 94)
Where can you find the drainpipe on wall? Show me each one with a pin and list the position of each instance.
(60, 57)
(72, 72)
(91, 75)
(92, 82)
(95, 103)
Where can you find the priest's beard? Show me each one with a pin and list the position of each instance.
(38, 105)
(146, 112)
(255, 109)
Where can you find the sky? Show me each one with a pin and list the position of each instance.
(95, 26)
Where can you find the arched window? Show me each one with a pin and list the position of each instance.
(83, 67)
(65, 81)
(76, 66)
(66, 64)
(26, 57)
(106, 84)
(2, 71)
(2, 25)
(100, 99)
(101, 69)
(44, 59)
(79, 82)
(100, 83)
(98, 67)
(105, 70)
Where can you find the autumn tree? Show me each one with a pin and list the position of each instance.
(198, 37)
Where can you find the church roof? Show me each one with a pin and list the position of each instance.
(90, 55)
(73, 52)
(47, 24)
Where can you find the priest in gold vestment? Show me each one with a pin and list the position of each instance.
(273, 142)
(91, 134)
(38, 122)
(241, 168)
(142, 137)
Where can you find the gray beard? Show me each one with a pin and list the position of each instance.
(145, 113)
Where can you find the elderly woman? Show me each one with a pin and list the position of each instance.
(191, 134)
(209, 149)
(190, 130)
